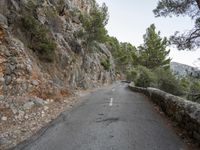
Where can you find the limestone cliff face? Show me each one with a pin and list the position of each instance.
(23, 74)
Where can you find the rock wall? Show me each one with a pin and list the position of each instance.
(23, 74)
(33, 91)
(184, 112)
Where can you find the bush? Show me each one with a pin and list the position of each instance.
(60, 6)
(106, 63)
(185, 84)
(168, 82)
(158, 78)
(131, 75)
(39, 38)
(94, 26)
(194, 91)
(145, 77)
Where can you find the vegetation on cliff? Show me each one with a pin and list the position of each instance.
(94, 26)
(38, 38)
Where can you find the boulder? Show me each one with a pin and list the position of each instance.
(38, 101)
(35, 83)
(8, 79)
(4, 118)
(4, 141)
(28, 105)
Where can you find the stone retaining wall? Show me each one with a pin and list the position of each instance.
(184, 112)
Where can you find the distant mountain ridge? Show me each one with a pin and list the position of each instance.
(183, 70)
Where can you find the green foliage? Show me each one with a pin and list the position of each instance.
(131, 75)
(39, 38)
(154, 53)
(125, 54)
(60, 6)
(176, 7)
(94, 26)
(50, 13)
(145, 77)
(168, 82)
(185, 84)
(158, 78)
(113, 44)
(106, 63)
(188, 40)
(29, 8)
(194, 91)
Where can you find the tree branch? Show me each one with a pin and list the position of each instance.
(198, 3)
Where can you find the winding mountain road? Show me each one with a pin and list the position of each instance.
(112, 118)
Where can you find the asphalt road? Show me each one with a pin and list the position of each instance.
(113, 118)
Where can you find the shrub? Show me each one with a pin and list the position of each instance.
(194, 91)
(94, 26)
(168, 82)
(106, 63)
(131, 75)
(185, 84)
(159, 78)
(60, 6)
(145, 77)
(39, 38)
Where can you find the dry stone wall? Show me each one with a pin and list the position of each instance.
(184, 112)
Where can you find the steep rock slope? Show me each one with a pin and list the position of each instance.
(24, 73)
(30, 78)
(183, 70)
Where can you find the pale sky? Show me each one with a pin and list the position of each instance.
(129, 20)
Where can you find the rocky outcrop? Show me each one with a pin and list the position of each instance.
(185, 113)
(184, 70)
(23, 74)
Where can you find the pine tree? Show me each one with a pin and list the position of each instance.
(154, 53)
(188, 40)
(94, 26)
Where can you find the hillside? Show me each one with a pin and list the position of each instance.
(24, 69)
(43, 62)
(183, 70)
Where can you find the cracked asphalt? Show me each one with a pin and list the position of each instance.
(112, 118)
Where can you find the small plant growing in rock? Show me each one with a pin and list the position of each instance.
(40, 40)
(60, 7)
(106, 63)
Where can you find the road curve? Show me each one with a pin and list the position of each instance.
(113, 118)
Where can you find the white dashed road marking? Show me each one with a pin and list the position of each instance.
(111, 102)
